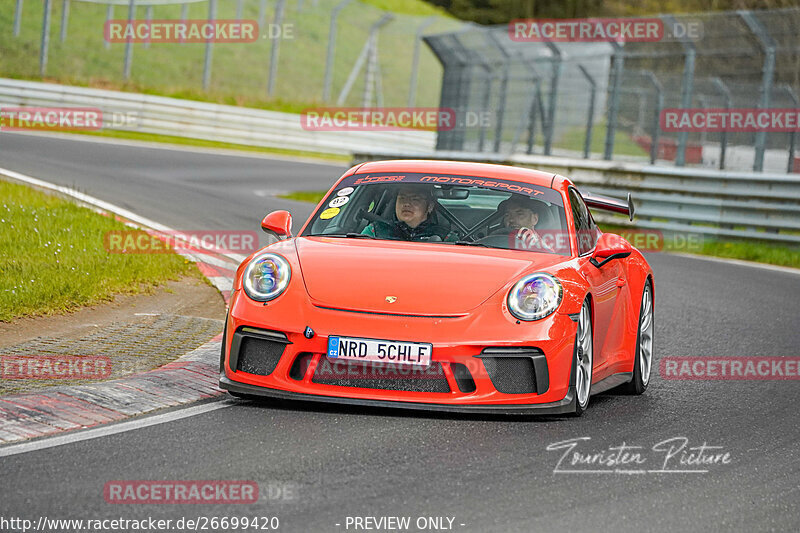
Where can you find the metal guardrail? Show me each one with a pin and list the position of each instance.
(752, 205)
(214, 122)
(747, 205)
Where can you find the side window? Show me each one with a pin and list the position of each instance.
(585, 227)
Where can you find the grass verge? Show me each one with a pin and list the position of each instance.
(751, 250)
(54, 259)
(313, 197)
(239, 70)
(201, 143)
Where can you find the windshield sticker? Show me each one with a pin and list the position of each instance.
(329, 213)
(370, 178)
(339, 201)
(345, 192)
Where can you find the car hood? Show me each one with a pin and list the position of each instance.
(408, 278)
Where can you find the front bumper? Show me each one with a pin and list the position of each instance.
(472, 341)
(564, 406)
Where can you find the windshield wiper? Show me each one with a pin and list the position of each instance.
(472, 243)
(350, 235)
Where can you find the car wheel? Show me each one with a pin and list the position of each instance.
(584, 359)
(643, 361)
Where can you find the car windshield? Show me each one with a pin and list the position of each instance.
(456, 210)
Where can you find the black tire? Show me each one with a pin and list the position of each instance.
(583, 359)
(638, 384)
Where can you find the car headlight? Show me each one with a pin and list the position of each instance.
(266, 277)
(535, 296)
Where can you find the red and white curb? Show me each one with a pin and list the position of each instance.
(190, 378)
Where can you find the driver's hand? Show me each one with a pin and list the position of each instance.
(528, 239)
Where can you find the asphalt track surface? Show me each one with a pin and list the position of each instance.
(488, 473)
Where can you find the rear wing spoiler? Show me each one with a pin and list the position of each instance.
(608, 203)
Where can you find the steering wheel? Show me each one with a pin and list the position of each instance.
(363, 214)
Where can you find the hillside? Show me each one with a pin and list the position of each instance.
(239, 70)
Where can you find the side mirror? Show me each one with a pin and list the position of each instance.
(278, 223)
(610, 246)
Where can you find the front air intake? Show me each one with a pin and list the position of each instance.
(516, 370)
(257, 351)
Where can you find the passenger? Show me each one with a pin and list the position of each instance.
(412, 217)
(520, 216)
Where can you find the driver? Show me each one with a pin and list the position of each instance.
(520, 216)
(411, 221)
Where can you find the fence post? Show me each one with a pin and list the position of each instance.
(587, 143)
(212, 14)
(412, 86)
(792, 135)
(129, 43)
(723, 140)
(148, 16)
(654, 136)
(329, 61)
(275, 48)
(262, 14)
(687, 86)
(109, 17)
(373, 68)
(551, 108)
(64, 19)
(17, 17)
(363, 56)
(239, 9)
(613, 105)
(767, 74)
(537, 107)
(470, 59)
(501, 108)
(45, 38)
(184, 16)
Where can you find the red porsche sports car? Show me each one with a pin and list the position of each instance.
(443, 285)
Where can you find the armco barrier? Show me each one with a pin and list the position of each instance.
(214, 122)
(719, 203)
(750, 205)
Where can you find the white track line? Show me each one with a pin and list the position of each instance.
(122, 427)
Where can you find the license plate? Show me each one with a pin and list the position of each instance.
(378, 351)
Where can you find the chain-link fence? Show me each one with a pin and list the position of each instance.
(307, 51)
(605, 99)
